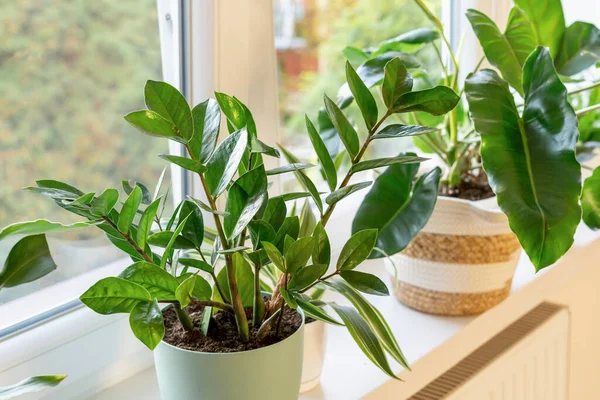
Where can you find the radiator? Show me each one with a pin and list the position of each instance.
(526, 361)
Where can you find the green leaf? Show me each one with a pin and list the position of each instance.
(256, 146)
(172, 241)
(366, 283)
(396, 82)
(289, 299)
(322, 153)
(357, 249)
(275, 212)
(362, 95)
(129, 210)
(163, 238)
(590, 200)
(342, 126)
(363, 335)
(289, 168)
(290, 227)
(224, 162)
(322, 250)
(315, 312)
(27, 261)
(146, 322)
(40, 226)
(540, 191)
(30, 385)
(306, 275)
(580, 48)
(548, 22)
(307, 220)
(303, 179)
(198, 264)
(275, 256)
(507, 51)
(207, 119)
(103, 205)
(437, 101)
(206, 207)
(185, 163)
(354, 55)
(128, 187)
(244, 278)
(298, 254)
(146, 222)
(399, 130)
(246, 197)
(397, 208)
(165, 100)
(410, 41)
(183, 293)
(193, 229)
(158, 282)
(384, 162)
(293, 196)
(261, 231)
(58, 185)
(151, 123)
(373, 317)
(233, 109)
(201, 289)
(346, 191)
(114, 295)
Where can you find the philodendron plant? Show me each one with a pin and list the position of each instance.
(178, 263)
(523, 141)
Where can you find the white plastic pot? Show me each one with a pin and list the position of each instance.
(315, 337)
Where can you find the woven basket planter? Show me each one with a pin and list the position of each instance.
(461, 263)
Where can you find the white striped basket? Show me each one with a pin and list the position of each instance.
(461, 263)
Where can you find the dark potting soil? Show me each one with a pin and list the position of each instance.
(470, 188)
(222, 333)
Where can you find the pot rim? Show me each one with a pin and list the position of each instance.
(233, 353)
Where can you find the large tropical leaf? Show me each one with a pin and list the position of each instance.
(580, 48)
(548, 22)
(396, 207)
(530, 159)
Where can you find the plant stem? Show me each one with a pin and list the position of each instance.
(183, 317)
(585, 88)
(206, 303)
(258, 309)
(319, 280)
(583, 111)
(130, 241)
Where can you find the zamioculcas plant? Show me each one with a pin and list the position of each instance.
(211, 284)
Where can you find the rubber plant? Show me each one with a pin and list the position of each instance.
(28, 260)
(524, 141)
(180, 262)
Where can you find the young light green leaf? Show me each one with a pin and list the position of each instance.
(183, 293)
(146, 222)
(170, 104)
(362, 95)
(322, 250)
(346, 191)
(343, 127)
(233, 109)
(129, 210)
(298, 254)
(151, 123)
(357, 249)
(30, 385)
(396, 82)
(384, 162)
(158, 282)
(103, 205)
(224, 162)
(185, 163)
(40, 226)
(146, 322)
(28, 260)
(275, 256)
(114, 295)
(366, 283)
(548, 21)
(322, 153)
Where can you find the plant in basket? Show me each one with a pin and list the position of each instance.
(195, 295)
(512, 158)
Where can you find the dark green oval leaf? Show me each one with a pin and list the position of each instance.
(362, 95)
(322, 153)
(396, 82)
(342, 126)
(357, 249)
(366, 283)
(129, 210)
(437, 101)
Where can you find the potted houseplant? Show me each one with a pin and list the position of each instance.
(514, 148)
(198, 301)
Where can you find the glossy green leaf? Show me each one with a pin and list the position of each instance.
(580, 48)
(346, 191)
(195, 263)
(244, 278)
(28, 260)
(590, 200)
(151, 123)
(342, 126)
(201, 289)
(146, 322)
(396, 208)
(275, 212)
(363, 335)
(306, 275)
(357, 249)
(245, 199)
(224, 162)
(315, 312)
(185, 163)
(396, 82)
(288, 298)
(410, 41)
(128, 187)
(307, 220)
(58, 185)
(184, 290)
(30, 385)
(146, 221)
(322, 250)
(540, 191)
(322, 153)
(233, 109)
(290, 227)
(399, 130)
(366, 283)
(298, 254)
(206, 207)
(103, 204)
(163, 238)
(114, 295)
(40, 226)
(437, 101)
(170, 104)
(548, 22)
(362, 95)
(384, 162)
(275, 256)
(293, 196)
(158, 282)
(207, 119)
(289, 168)
(507, 51)
(256, 146)
(193, 229)
(129, 210)
(303, 179)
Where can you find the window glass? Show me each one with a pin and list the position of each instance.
(69, 71)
